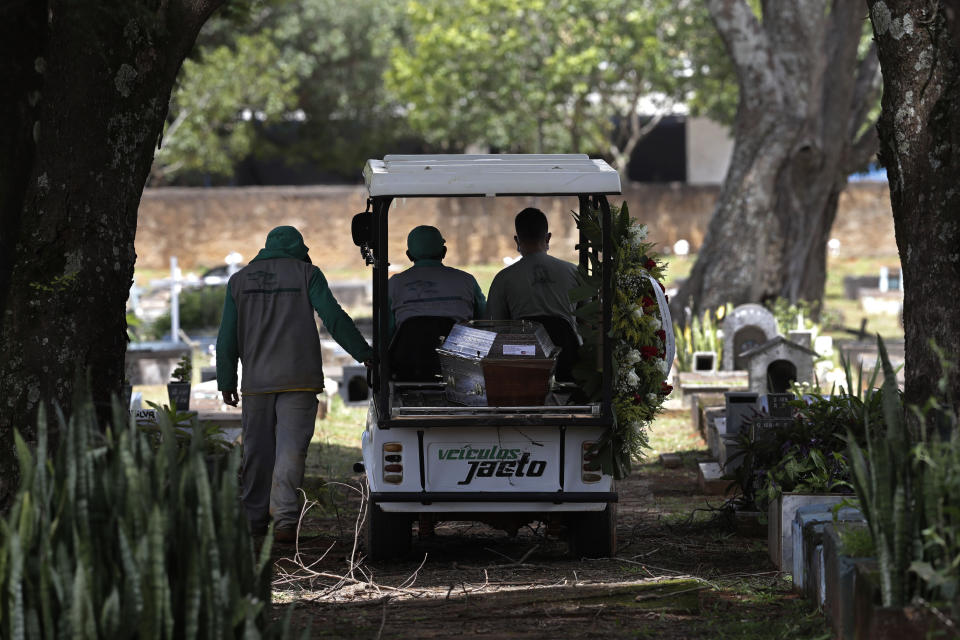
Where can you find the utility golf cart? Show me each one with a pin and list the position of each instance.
(480, 430)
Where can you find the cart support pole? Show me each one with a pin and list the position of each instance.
(381, 338)
(582, 238)
(607, 248)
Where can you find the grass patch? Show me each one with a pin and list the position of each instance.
(672, 432)
(335, 445)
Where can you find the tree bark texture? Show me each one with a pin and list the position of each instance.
(800, 130)
(919, 130)
(85, 93)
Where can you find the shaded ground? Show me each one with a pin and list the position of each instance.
(681, 572)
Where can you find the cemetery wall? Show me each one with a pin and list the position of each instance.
(201, 226)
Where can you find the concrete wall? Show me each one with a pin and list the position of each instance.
(201, 226)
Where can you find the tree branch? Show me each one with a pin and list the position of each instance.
(863, 151)
(866, 90)
(745, 41)
(952, 11)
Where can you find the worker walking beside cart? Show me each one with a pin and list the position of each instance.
(268, 325)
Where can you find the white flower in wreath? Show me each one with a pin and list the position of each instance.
(637, 312)
(632, 357)
(632, 379)
(652, 398)
(654, 322)
(638, 233)
(663, 366)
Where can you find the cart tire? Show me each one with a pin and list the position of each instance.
(593, 534)
(387, 535)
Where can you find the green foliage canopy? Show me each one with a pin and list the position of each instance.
(330, 84)
(295, 79)
(538, 76)
(220, 99)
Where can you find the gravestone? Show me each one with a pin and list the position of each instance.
(151, 363)
(778, 405)
(775, 365)
(353, 387)
(765, 427)
(715, 428)
(741, 407)
(747, 326)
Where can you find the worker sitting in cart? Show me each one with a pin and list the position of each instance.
(537, 287)
(425, 301)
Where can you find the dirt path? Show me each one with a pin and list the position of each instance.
(676, 575)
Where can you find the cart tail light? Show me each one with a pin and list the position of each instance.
(589, 470)
(392, 462)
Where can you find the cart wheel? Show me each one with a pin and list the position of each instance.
(387, 534)
(593, 534)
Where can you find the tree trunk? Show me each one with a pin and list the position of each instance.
(920, 147)
(802, 88)
(91, 89)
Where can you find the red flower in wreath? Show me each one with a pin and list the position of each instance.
(665, 389)
(662, 335)
(637, 398)
(649, 264)
(649, 352)
(646, 302)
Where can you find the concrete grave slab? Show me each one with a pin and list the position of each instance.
(780, 516)
(877, 302)
(671, 460)
(710, 479)
(690, 383)
(839, 572)
(700, 402)
(150, 363)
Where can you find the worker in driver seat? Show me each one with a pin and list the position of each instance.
(537, 287)
(436, 296)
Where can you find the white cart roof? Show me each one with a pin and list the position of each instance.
(489, 175)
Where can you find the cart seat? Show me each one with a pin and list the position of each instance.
(413, 350)
(562, 335)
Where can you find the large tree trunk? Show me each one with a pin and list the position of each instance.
(920, 147)
(799, 132)
(86, 87)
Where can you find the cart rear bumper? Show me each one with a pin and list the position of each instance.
(554, 497)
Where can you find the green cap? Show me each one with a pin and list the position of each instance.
(425, 242)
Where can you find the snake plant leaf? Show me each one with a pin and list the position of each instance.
(110, 615)
(16, 623)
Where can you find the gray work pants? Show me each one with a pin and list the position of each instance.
(277, 428)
